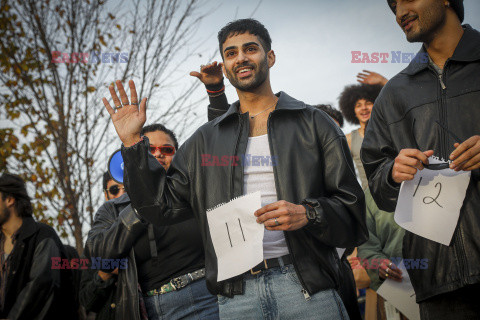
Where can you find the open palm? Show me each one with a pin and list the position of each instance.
(128, 118)
(209, 74)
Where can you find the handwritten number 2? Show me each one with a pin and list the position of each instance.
(430, 199)
(434, 199)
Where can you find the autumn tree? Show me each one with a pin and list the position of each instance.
(57, 59)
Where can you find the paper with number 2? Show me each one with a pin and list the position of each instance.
(236, 235)
(429, 205)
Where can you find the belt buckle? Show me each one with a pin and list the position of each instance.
(257, 272)
(178, 283)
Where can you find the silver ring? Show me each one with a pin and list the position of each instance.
(276, 222)
(390, 264)
(134, 104)
(386, 270)
(116, 108)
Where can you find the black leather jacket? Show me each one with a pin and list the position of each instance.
(404, 116)
(35, 288)
(313, 162)
(113, 234)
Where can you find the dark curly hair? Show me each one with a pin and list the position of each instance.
(352, 93)
(242, 26)
(332, 112)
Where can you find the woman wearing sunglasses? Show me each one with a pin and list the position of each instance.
(166, 263)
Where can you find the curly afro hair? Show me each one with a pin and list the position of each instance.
(352, 93)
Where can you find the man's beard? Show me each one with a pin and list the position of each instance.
(4, 216)
(259, 77)
(432, 20)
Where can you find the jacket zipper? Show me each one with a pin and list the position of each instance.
(443, 120)
(232, 188)
(304, 291)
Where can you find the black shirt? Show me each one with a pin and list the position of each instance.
(179, 250)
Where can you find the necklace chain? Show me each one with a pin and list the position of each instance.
(251, 117)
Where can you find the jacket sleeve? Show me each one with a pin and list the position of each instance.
(94, 292)
(37, 296)
(372, 249)
(158, 198)
(340, 214)
(219, 104)
(378, 155)
(112, 237)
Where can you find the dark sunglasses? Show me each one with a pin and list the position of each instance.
(165, 150)
(114, 190)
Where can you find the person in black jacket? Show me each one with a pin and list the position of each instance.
(311, 200)
(32, 287)
(156, 256)
(432, 108)
(97, 287)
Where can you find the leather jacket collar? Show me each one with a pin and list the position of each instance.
(285, 102)
(467, 50)
(29, 227)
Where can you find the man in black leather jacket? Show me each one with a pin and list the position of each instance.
(432, 107)
(32, 287)
(313, 168)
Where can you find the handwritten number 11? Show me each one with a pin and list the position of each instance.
(228, 232)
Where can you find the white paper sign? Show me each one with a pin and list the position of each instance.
(236, 236)
(401, 295)
(429, 205)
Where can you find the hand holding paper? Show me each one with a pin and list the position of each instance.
(466, 156)
(429, 205)
(401, 295)
(408, 162)
(236, 236)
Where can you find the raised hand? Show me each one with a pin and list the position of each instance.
(128, 118)
(370, 77)
(209, 74)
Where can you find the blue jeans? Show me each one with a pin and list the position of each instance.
(277, 294)
(192, 302)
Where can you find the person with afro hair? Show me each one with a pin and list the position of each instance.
(356, 103)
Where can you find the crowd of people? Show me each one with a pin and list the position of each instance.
(150, 253)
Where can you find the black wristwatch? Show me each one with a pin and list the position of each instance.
(310, 207)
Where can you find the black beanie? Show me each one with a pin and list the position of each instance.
(13, 185)
(457, 6)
